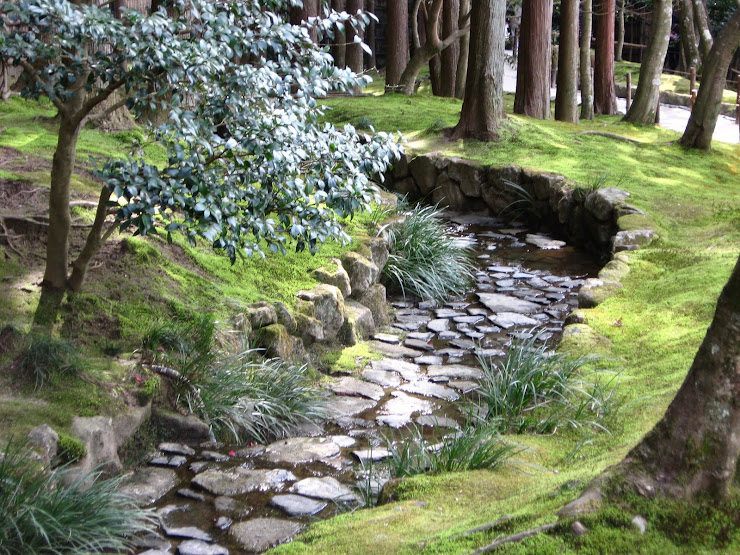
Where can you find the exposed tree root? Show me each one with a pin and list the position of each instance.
(515, 538)
(611, 136)
(485, 527)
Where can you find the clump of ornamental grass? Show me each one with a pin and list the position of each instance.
(46, 357)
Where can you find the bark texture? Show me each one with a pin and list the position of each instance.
(587, 89)
(338, 47)
(703, 119)
(688, 34)
(619, 46)
(533, 65)
(450, 55)
(644, 105)
(566, 101)
(462, 61)
(702, 25)
(397, 42)
(354, 53)
(693, 451)
(605, 97)
(483, 106)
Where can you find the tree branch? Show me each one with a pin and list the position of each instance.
(108, 111)
(31, 72)
(415, 24)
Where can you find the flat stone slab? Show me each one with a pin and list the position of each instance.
(408, 370)
(429, 389)
(187, 532)
(197, 547)
(466, 344)
(376, 454)
(324, 488)
(455, 372)
(342, 405)
(502, 269)
(231, 507)
(489, 352)
(424, 336)
(447, 313)
(171, 462)
(473, 319)
(508, 320)
(260, 534)
(358, 388)
(436, 421)
(343, 441)
(384, 378)
(176, 449)
(302, 450)
(149, 484)
(463, 386)
(418, 344)
(504, 303)
(387, 338)
(544, 242)
(429, 359)
(438, 325)
(238, 480)
(402, 405)
(393, 351)
(297, 505)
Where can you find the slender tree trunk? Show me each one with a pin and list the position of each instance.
(338, 44)
(703, 119)
(354, 53)
(300, 14)
(620, 30)
(533, 66)
(397, 42)
(370, 61)
(483, 106)
(566, 101)
(450, 55)
(462, 62)
(435, 74)
(643, 107)
(688, 34)
(605, 97)
(693, 451)
(702, 24)
(587, 90)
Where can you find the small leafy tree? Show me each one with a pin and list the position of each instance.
(250, 163)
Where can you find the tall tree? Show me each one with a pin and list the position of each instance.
(397, 42)
(450, 55)
(587, 89)
(338, 47)
(483, 106)
(703, 119)
(605, 96)
(619, 47)
(533, 65)
(702, 24)
(300, 14)
(688, 34)
(462, 61)
(566, 101)
(370, 32)
(645, 102)
(354, 54)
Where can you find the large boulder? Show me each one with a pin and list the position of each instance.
(261, 314)
(187, 429)
(425, 169)
(279, 343)
(338, 278)
(596, 291)
(328, 304)
(99, 438)
(375, 299)
(447, 193)
(358, 323)
(469, 175)
(602, 202)
(632, 240)
(45, 442)
(284, 317)
(378, 252)
(362, 272)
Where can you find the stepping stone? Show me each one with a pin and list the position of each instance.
(501, 269)
(488, 329)
(171, 462)
(176, 449)
(503, 303)
(429, 389)
(197, 547)
(149, 484)
(447, 335)
(457, 306)
(522, 275)
(466, 344)
(447, 313)
(407, 326)
(324, 488)
(342, 405)
(238, 480)
(408, 371)
(213, 456)
(393, 351)
(499, 276)
(358, 388)
(468, 319)
(343, 441)
(402, 304)
(543, 242)
(426, 337)
(537, 283)
(489, 352)
(187, 532)
(297, 505)
(348, 422)
(508, 320)
(260, 534)
(156, 552)
(555, 279)
(402, 404)
(452, 353)
(387, 338)
(153, 542)
(511, 230)
(376, 454)
(429, 359)
(436, 421)
(383, 378)
(473, 311)
(463, 386)
(302, 450)
(412, 318)
(474, 335)
(426, 305)
(190, 494)
(438, 325)
(417, 344)
(230, 507)
(223, 523)
(483, 256)
(456, 372)
(505, 283)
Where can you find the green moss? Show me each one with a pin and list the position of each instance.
(348, 359)
(71, 449)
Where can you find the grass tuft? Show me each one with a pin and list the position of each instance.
(47, 357)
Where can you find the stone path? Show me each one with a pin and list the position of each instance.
(218, 500)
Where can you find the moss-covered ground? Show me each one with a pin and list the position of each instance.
(655, 324)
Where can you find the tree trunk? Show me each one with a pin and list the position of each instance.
(483, 106)
(462, 61)
(587, 90)
(338, 44)
(354, 50)
(397, 42)
(450, 55)
(703, 119)
(370, 61)
(688, 34)
(643, 107)
(605, 97)
(435, 74)
(566, 101)
(702, 24)
(299, 15)
(693, 450)
(533, 66)
(620, 31)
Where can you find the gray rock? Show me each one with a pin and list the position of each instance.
(387, 338)
(383, 378)
(544, 242)
(602, 202)
(176, 449)
(434, 421)
(640, 524)
(463, 386)
(279, 343)
(375, 454)
(375, 299)
(632, 240)
(502, 269)
(187, 532)
(428, 359)
(238, 480)
(508, 320)
(448, 313)
(45, 442)
(285, 318)
(343, 441)
(301, 450)
(156, 552)
(469, 175)
(425, 169)
(153, 542)
(596, 291)
(147, 485)
(418, 344)
(426, 337)
(340, 406)
(213, 456)
(175, 461)
(223, 523)
(260, 534)
(578, 529)
(230, 507)
(438, 325)
(189, 429)
(397, 411)
(393, 351)
(455, 372)
(429, 389)
(362, 272)
(99, 438)
(324, 488)
(378, 252)
(196, 547)
(297, 505)
(261, 314)
(407, 370)
(354, 387)
(328, 307)
(358, 323)
(466, 344)
(448, 335)
(470, 320)
(190, 494)
(338, 278)
(503, 303)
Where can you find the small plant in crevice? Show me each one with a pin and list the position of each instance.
(596, 182)
(425, 259)
(46, 357)
(53, 513)
(537, 390)
(524, 205)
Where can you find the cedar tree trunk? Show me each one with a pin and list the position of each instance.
(299, 15)
(587, 89)
(533, 65)
(370, 61)
(620, 31)
(450, 55)
(644, 104)
(462, 61)
(338, 47)
(354, 53)
(605, 97)
(566, 101)
(397, 42)
(483, 106)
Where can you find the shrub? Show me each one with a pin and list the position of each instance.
(365, 123)
(46, 357)
(425, 260)
(41, 513)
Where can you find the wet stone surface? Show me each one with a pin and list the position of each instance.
(217, 499)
